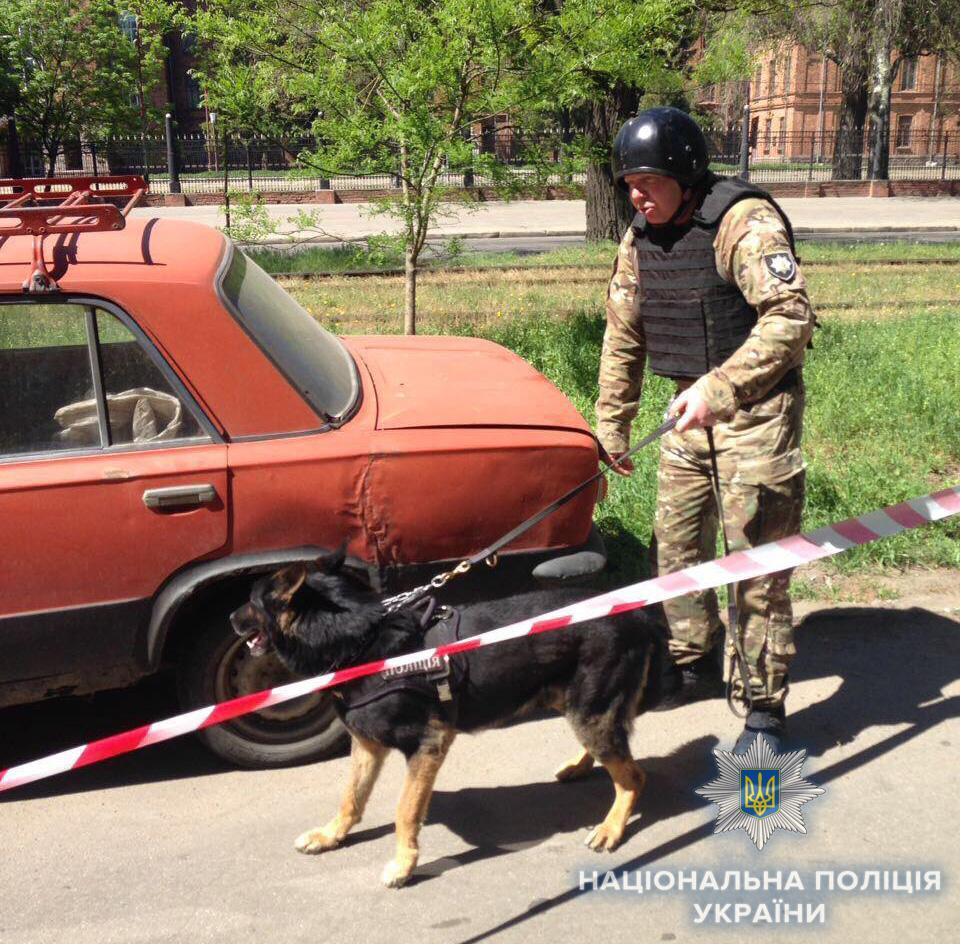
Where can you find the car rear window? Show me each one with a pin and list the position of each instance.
(310, 357)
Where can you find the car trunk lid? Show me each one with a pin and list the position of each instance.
(435, 382)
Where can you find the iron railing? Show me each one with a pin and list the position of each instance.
(815, 156)
(205, 163)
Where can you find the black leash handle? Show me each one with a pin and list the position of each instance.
(534, 520)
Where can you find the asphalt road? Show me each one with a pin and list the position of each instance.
(168, 845)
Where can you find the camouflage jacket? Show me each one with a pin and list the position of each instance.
(750, 230)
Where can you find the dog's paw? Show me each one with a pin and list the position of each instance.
(604, 838)
(574, 769)
(396, 874)
(315, 841)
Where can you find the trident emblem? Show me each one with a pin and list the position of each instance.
(760, 791)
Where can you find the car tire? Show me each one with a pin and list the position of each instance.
(215, 666)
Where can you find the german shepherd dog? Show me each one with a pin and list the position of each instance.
(321, 616)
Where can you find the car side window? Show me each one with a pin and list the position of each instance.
(142, 405)
(44, 363)
(49, 374)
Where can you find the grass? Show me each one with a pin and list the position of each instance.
(893, 251)
(447, 300)
(357, 257)
(881, 418)
(881, 427)
(862, 286)
(55, 325)
(592, 255)
(850, 290)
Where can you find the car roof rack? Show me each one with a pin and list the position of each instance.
(45, 206)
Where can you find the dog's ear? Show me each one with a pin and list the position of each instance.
(332, 562)
(285, 583)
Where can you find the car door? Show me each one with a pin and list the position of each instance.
(111, 480)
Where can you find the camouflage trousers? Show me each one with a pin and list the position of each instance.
(761, 492)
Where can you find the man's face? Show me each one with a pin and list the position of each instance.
(657, 197)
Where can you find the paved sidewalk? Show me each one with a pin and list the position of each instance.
(169, 846)
(566, 217)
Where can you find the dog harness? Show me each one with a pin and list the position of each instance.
(439, 679)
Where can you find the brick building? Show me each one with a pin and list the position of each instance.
(795, 102)
(182, 95)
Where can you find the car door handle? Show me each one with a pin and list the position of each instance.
(179, 496)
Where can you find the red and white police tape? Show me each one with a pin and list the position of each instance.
(741, 565)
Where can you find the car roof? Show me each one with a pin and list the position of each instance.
(163, 273)
(146, 250)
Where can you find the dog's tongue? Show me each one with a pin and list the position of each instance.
(257, 643)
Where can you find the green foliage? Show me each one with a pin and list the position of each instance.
(893, 251)
(69, 70)
(382, 250)
(388, 87)
(402, 87)
(587, 46)
(727, 56)
(250, 221)
(881, 428)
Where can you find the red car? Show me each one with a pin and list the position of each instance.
(173, 422)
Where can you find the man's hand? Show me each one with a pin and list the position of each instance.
(621, 466)
(692, 410)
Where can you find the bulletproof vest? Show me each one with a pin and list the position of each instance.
(692, 318)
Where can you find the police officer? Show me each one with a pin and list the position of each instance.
(707, 286)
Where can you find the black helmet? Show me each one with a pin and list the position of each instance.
(663, 141)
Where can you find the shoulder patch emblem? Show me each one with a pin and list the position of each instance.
(781, 265)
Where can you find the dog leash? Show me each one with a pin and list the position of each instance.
(738, 661)
(489, 553)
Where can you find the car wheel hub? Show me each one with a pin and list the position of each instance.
(242, 674)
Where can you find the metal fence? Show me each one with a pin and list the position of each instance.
(825, 156)
(206, 163)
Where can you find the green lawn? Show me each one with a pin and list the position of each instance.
(325, 259)
(848, 288)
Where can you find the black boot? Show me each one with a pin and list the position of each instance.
(695, 681)
(770, 722)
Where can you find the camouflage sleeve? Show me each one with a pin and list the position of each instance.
(752, 250)
(623, 354)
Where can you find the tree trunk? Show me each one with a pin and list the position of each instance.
(608, 210)
(53, 152)
(13, 150)
(881, 86)
(848, 142)
(935, 117)
(410, 292)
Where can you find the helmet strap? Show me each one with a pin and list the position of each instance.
(686, 209)
(688, 206)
